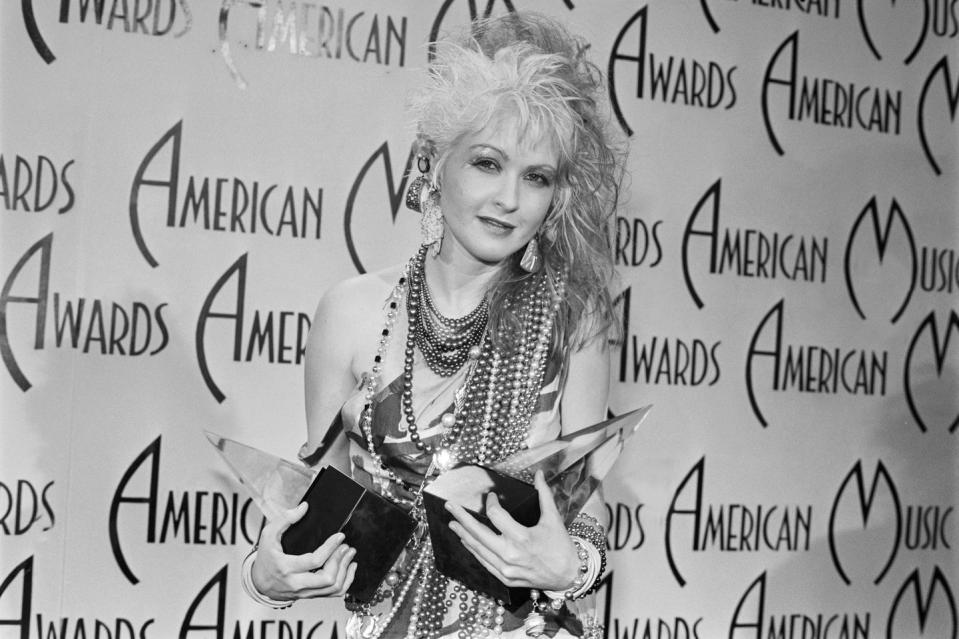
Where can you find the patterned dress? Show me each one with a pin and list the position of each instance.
(432, 397)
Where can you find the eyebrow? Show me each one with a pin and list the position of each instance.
(505, 155)
(475, 147)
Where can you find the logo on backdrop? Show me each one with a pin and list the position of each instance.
(935, 608)
(887, 236)
(753, 619)
(626, 529)
(637, 243)
(664, 360)
(647, 627)
(931, 394)
(928, 117)
(85, 324)
(883, 260)
(886, 503)
(155, 18)
(207, 613)
(274, 336)
(938, 18)
(809, 368)
(222, 204)
(442, 15)
(749, 252)
(819, 8)
(906, 12)
(56, 626)
(25, 508)
(309, 30)
(823, 101)
(669, 79)
(196, 517)
(881, 515)
(395, 192)
(942, 17)
(735, 527)
(35, 186)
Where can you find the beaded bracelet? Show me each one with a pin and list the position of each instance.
(588, 571)
(246, 580)
(589, 528)
(589, 536)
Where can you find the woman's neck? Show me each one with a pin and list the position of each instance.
(458, 286)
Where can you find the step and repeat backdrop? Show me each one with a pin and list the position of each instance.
(181, 180)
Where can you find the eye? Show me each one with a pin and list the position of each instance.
(540, 179)
(486, 164)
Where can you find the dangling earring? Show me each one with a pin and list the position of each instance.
(422, 197)
(431, 224)
(532, 259)
(419, 190)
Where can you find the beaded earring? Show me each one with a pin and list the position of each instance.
(419, 190)
(423, 198)
(431, 224)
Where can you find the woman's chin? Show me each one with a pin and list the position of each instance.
(492, 258)
(487, 255)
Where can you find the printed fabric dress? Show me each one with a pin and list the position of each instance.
(433, 396)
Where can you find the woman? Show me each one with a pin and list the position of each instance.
(493, 338)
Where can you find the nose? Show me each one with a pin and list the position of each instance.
(507, 198)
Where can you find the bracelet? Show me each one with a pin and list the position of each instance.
(588, 527)
(588, 572)
(246, 579)
(589, 537)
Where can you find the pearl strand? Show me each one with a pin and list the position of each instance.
(495, 423)
(401, 597)
(372, 379)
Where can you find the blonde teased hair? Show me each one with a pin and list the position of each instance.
(529, 66)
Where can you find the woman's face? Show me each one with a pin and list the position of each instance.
(495, 192)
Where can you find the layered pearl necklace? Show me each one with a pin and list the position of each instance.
(490, 419)
(446, 342)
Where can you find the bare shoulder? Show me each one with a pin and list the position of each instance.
(350, 314)
(359, 296)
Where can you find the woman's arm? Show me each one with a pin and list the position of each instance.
(586, 393)
(586, 402)
(329, 570)
(328, 373)
(543, 556)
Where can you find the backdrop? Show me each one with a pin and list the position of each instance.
(182, 179)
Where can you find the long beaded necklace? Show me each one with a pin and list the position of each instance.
(414, 310)
(490, 420)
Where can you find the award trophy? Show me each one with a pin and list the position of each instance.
(377, 528)
(573, 465)
(273, 483)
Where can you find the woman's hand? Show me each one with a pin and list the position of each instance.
(326, 572)
(542, 556)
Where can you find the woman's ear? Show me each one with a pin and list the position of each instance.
(424, 147)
